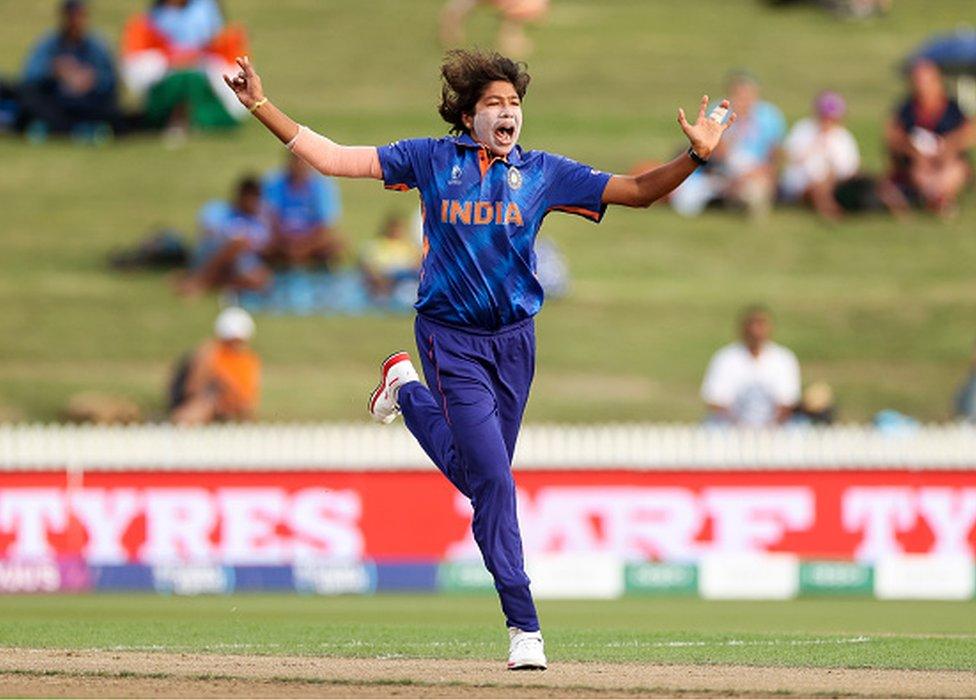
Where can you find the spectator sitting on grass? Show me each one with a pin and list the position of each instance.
(234, 239)
(551, 268)
(742, 169)
(220, 381)
(821, 154)
(390, 259)
(817, 406)
(514, 15)
(69, 82)
(754, 382)
(175, 55)
(845, 9)
(965, 401)
(304, 208)
(927, 139)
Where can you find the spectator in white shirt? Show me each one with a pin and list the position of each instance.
(754, 382)
(820, 155)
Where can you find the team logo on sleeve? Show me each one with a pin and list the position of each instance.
(514, 178)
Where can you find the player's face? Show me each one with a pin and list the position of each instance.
(497, 118)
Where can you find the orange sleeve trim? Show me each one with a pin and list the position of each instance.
(399, 187)
(580, 211)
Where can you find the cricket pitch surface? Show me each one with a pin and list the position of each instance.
(101, 673)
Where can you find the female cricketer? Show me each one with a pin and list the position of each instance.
(483, 198)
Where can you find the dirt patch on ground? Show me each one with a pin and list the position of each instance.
(90, 673)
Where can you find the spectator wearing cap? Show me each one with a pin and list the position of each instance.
(753, 382)
(69, 79)
(220, 381)
(928, 138)
(742, 169)
(821, 155)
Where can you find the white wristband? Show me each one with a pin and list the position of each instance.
(291, 144)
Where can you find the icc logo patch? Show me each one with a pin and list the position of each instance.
(514, 178)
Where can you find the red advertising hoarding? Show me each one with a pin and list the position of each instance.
(279, 517)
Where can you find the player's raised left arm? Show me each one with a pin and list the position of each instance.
(644, 189)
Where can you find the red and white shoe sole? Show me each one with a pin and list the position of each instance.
(385, 367)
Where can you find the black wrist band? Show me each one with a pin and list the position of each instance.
(695, 157)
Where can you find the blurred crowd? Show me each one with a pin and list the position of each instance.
(289, 221)
(845, 9)
(752, 382)
(172, 56)
(817, 162)
(170, 60)
(283, 229)
(755, 382)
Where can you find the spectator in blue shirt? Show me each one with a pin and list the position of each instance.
(235, 238)
(304, 208)
(742, 171)
(69, 80)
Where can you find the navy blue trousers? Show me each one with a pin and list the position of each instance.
(467, 421)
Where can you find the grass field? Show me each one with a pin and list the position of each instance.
(883, 312)
(624, 647)
(835, 633)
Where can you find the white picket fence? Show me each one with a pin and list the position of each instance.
(364, 447)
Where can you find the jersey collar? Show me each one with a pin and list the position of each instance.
(514, 157)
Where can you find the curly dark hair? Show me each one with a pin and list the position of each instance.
(466, 74)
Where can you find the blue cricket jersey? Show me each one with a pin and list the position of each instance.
(481, 216)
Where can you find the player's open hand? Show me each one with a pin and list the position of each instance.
(706, 132)
(246, 84)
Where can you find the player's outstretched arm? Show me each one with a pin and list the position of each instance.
(321, 153)
(645, 189)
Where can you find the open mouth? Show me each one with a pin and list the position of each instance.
(505, 134)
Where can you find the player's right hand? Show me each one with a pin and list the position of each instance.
(246, 84)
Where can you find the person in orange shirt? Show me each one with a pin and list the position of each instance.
(173, 56)
(220, 381)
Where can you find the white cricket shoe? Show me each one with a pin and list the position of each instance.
(525, 651)
(395, 371)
